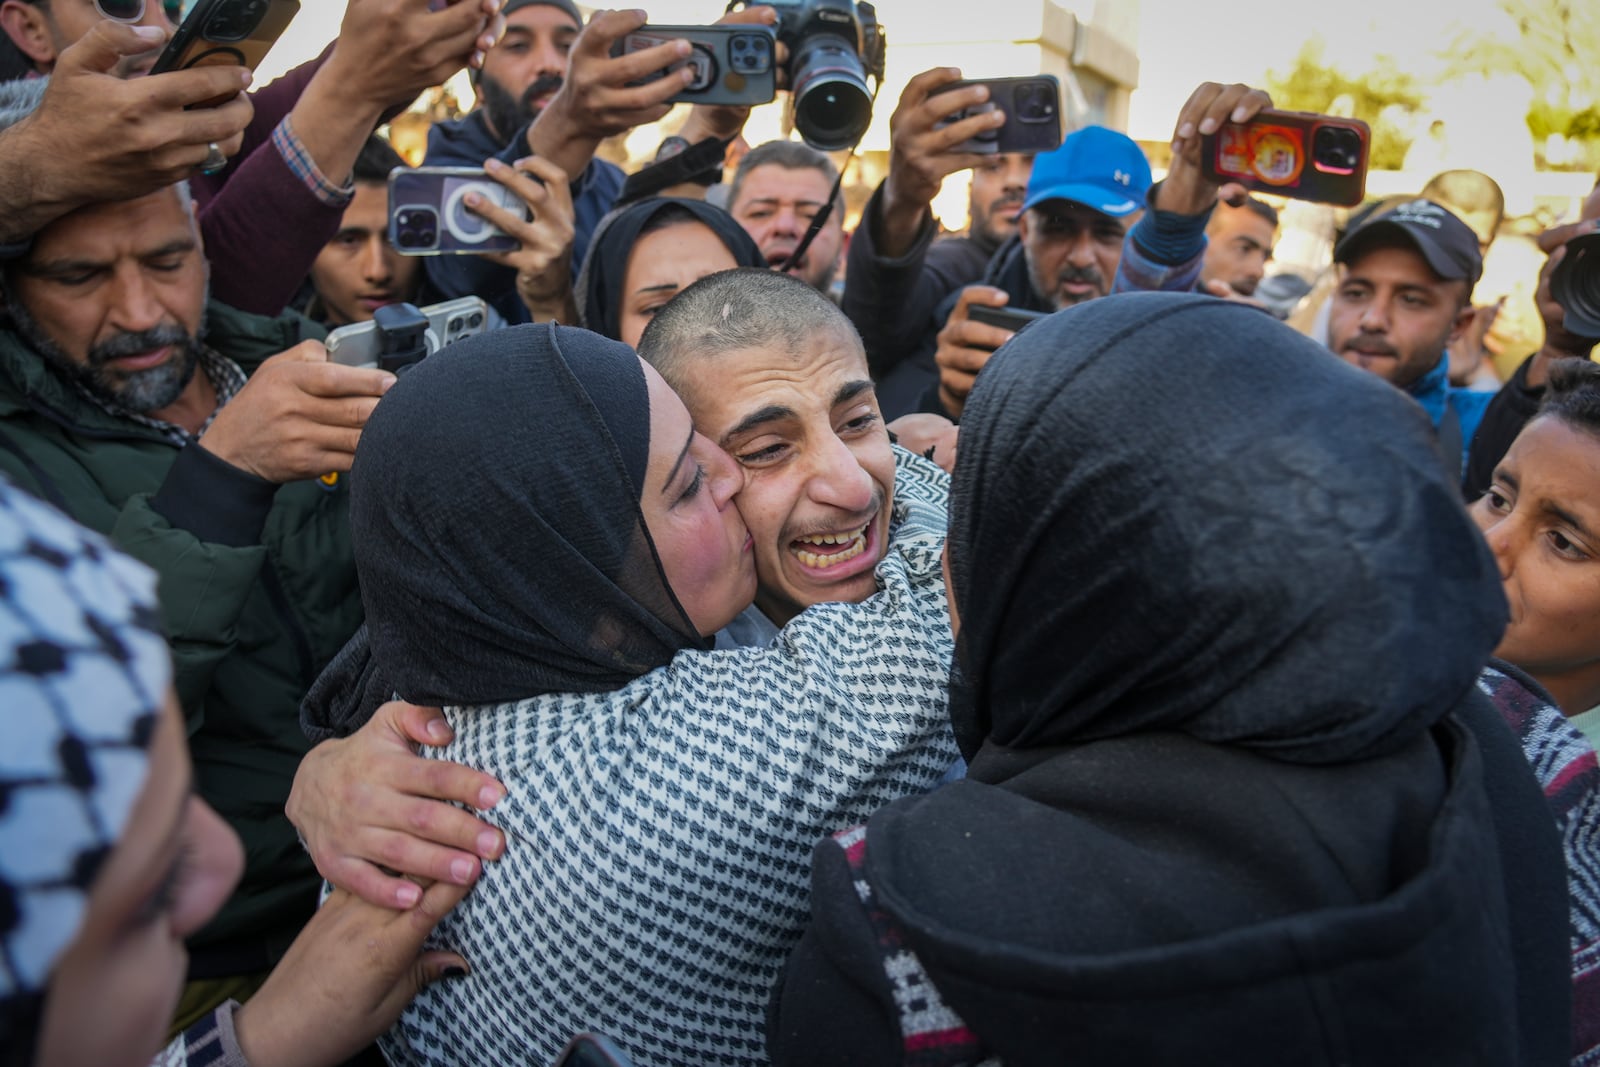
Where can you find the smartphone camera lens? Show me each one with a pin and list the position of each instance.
(475, 319)
(236, 23)
(416, 228)
(1336, 149)
(750, 53)
(1034, 103)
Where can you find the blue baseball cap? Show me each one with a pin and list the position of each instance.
(1096, 167)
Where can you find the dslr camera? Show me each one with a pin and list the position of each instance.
(1575, 285)
(833, 46)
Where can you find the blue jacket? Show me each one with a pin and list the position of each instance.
(467, 142)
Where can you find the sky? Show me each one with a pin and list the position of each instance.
(1181, 43)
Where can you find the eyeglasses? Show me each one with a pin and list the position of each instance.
(133, 10)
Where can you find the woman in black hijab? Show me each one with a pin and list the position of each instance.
(641, 255)
(1233, 795)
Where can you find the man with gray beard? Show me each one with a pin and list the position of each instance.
(208, 444)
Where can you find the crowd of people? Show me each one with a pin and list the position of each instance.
(746, 665)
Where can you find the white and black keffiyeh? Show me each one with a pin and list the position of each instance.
(84, 671)
(659, 836)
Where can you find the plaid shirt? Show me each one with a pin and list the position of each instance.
(226, 378)
(302, 166)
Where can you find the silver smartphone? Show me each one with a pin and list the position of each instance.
(401, 334)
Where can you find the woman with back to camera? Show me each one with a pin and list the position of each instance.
(1260, 814)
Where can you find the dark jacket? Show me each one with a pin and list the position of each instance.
(1512, 408)
(891, 301)
(258, 591)
(467, 142)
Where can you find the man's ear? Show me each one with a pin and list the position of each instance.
(1462, 324)
(1024, 224)
(29, 29)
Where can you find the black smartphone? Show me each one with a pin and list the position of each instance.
(1014, 319)
(1033, 114)
(732, 64)
(236, 32)
(592, 1050)
(428, 214)
(1297, 154)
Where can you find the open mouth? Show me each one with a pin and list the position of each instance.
(823, 551)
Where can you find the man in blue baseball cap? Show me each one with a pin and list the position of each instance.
(1080, 202)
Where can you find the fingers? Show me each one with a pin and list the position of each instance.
(759, 15)
(1555, 237)
(178, 89)
(335, 380)
(605, 29)
(1211, 105)
(106, 43)
(371, 884)
(418, 858)
(986, 295)
(437, 965)
(418, 724)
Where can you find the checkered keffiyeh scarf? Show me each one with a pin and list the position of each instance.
(84, 672)
(659, 837)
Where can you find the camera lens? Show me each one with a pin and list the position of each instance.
(1575, 285)
(1336, 149)
(832, 107)
(235, 24)
(475, 319)
(416, 228)
(1034, 103)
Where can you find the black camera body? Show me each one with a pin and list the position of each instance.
(1575, 285)
(833, 46)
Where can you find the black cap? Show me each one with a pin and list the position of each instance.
(1447, 243)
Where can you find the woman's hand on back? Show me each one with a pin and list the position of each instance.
(368, 806)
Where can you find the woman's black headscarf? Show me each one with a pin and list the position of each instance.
(502, 553)
(1221, 615)
(599, 288)
(1173, 514)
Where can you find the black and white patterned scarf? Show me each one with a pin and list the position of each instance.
(659, 836)
(84, 672)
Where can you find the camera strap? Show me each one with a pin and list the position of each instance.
(700, 163)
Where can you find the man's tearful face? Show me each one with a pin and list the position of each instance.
(805, 425)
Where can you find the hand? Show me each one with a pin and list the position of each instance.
(965, 346)
(920, 155)
(1187, 191)
(97, 137)
(595, 100)
(299, 416)
(345, 980)
(388, 51)
(1559, 342)
(370, 800)
(544, 262)
(726, 121)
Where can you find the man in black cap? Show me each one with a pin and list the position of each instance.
(1404, 295)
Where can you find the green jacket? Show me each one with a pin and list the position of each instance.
(253, 612)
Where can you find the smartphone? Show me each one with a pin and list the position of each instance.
(238, 32)
(1014, 319)
(732, 64)
(1297, 154)
(592, 1050)
(1033, 114)
(400, 334)
(428, 213)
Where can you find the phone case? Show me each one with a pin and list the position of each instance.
(358, 344)
(1033, 114)
(1007, 318)
(1292, 153)
(428, 214)
(733, 64)
(239, 32)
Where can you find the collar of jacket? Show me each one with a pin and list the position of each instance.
(29, 384)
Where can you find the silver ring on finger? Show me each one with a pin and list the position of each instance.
(215, 161)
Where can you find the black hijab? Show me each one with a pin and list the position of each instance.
(1221, 616)
(599, 288)
(502, 553)
(1217, 519)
